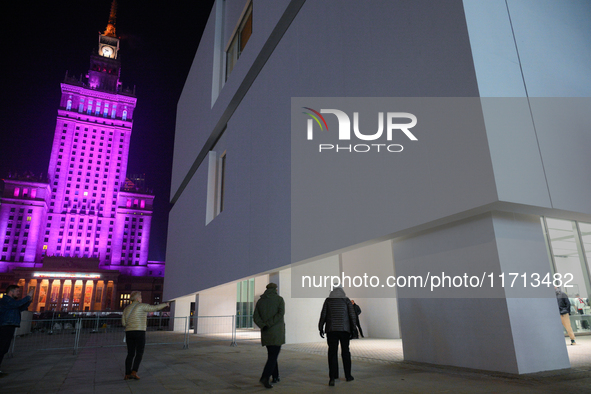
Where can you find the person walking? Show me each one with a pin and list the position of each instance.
(338, 320)
(357, 313)
(580, 304)
(134, 319)
(564, 310)
(269, 316)
(10, 315)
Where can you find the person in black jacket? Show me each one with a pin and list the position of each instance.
(11, 307)
(338, 320)
(564, 309)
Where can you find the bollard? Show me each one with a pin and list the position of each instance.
(186, 344)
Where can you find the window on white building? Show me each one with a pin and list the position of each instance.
(215, 185)
(239, 39)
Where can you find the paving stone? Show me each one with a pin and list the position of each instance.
(215, 367)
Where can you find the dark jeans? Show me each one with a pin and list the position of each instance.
(359, 330)
(6, 335)
(333, 339)
(272, 366)
(136, 341)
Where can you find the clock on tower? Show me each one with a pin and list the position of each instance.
(107, 51)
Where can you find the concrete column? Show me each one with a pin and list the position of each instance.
(181, 309)
(104, 295)
(93, 295)
(299, 329)
(379, 308)
(114, 300)
(83, 295)
(49, 292)
(60, 295)
(26, 289)
(260, 285)
(71, 299)
(498, 330)
(36, 296)
(274, 277)
(195, 315)
(172, 321)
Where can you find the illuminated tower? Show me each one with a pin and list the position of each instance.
(80, 236)
(88, 215)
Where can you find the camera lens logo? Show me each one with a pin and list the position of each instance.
(344, 134)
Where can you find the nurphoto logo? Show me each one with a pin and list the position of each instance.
(394, 123)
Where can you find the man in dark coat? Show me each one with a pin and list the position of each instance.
(268, 315)
(564, 310)
(10, 315)
(338, 320)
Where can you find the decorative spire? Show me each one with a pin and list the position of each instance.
(110, 31)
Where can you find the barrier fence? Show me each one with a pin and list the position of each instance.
(225, 328)
(93, 332)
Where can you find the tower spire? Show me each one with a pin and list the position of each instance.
(110, 31)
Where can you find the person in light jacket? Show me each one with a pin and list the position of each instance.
(338, 320)
(268, 315)
(134, 319)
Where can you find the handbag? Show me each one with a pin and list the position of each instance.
(130, 313)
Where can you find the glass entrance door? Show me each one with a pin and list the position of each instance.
(245, 303)
(569, 247)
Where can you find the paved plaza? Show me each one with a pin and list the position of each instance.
(216, 367)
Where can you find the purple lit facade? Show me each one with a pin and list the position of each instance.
(77, 234)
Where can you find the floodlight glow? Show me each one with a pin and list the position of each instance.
(76, 275)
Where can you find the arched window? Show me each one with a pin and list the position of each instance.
(81, 105)
(69, 105)
(16, 191)
(143, 204)
(124, 114)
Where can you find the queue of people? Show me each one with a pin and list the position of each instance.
(338, 320)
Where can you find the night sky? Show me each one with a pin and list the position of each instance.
(44, 39)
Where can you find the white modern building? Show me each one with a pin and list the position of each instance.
(257, 197)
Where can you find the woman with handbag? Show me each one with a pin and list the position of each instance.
(134, 320)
